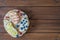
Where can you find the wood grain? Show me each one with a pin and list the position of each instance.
(31, 36)
(36, 12)
(40, 26)
(29, 2)
(58, 37)
(44, 16)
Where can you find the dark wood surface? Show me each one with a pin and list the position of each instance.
(44, 18)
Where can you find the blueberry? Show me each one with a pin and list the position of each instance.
(21, 22)
(21, 28)
(17, 36)
(24, 18)
(17, 26)
(26, 26)
(26, 21)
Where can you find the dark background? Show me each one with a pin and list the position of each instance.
(44, 18)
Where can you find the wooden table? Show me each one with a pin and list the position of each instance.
(44, 18)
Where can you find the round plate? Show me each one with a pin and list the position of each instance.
(16, 22)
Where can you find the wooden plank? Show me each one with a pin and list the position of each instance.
(40, 26)
(45, 17)
(29, 2)
(30, 36)
(58, 37)
(49, 29)
(38, 22)
(38, 13)
(45, 22)
(45, 10)
(35, 12)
